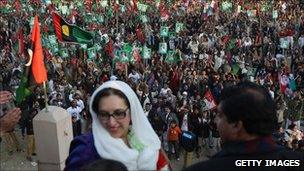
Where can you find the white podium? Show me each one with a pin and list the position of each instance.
(53, 135)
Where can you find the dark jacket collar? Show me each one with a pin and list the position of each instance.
(256, 146)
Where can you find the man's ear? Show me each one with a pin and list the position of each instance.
(238, 126)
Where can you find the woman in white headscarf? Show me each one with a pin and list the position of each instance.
(120, 131)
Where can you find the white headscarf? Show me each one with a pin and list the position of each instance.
(114, 148)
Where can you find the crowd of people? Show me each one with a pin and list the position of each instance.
(214, 50)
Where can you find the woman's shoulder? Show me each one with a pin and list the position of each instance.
(163, 161)
(82, 152)
(85, 140)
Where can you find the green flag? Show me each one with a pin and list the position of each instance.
(251, 72)
(32, 21)
(265, 7)
(70, 33)
(146, 53)
(127, 48)
(235, 69)
(64, 53)
(163, 48)
(91, 53)
(52, 39)
(170, 57)
(110, 13)
(100, 18)
(171, 34)
(22, 91)
(122, 8)
(64, 9)
(227, 6)
(275, 14)
(178, 27)
(232, 44)
(142, 7)
(164, 31)
(54, 48)
(98, 47)
(144, 18)
(123, 57)
(83, 46)
(292, 84)
(104, 3)
(284, 43)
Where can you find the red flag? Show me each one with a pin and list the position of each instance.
(284, 81)
(17, 5)
(135, 5)
(140, 35)
(21, 41)
(38, 67)
(116, 6)
(136, 56)
(209, 100)
(164, 13)
(109, 49)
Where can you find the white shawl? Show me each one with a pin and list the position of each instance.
(114, 148)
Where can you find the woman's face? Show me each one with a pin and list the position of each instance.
(118, 128)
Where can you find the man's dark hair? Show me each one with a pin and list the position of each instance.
(104, 165)
(251, 104)
(291, 126)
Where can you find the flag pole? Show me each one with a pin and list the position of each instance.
(45, 97)
(126, 68)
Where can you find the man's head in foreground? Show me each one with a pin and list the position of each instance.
(246, 111)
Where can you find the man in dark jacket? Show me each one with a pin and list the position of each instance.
(246, 119)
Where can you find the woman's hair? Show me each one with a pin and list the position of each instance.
(108, 92)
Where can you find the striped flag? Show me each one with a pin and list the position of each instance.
(70, 33)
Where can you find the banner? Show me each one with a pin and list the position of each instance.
(163, 48)
(178, 27)
(64, 53)
(164, 31)
(146, 53)
(275, 14)
(227, 6)
(97, 47)
(239, 9)
(70, 33)
(91, 53)
(235, 69)
(52, 39)
(170, 58)
(104, 3)
(54, 48)
(144, 18)
(142, 7)
(123, 57)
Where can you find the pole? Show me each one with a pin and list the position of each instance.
(117, 31)
(126, 68)
(45, 97)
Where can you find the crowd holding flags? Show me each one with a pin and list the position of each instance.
(99, 42)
